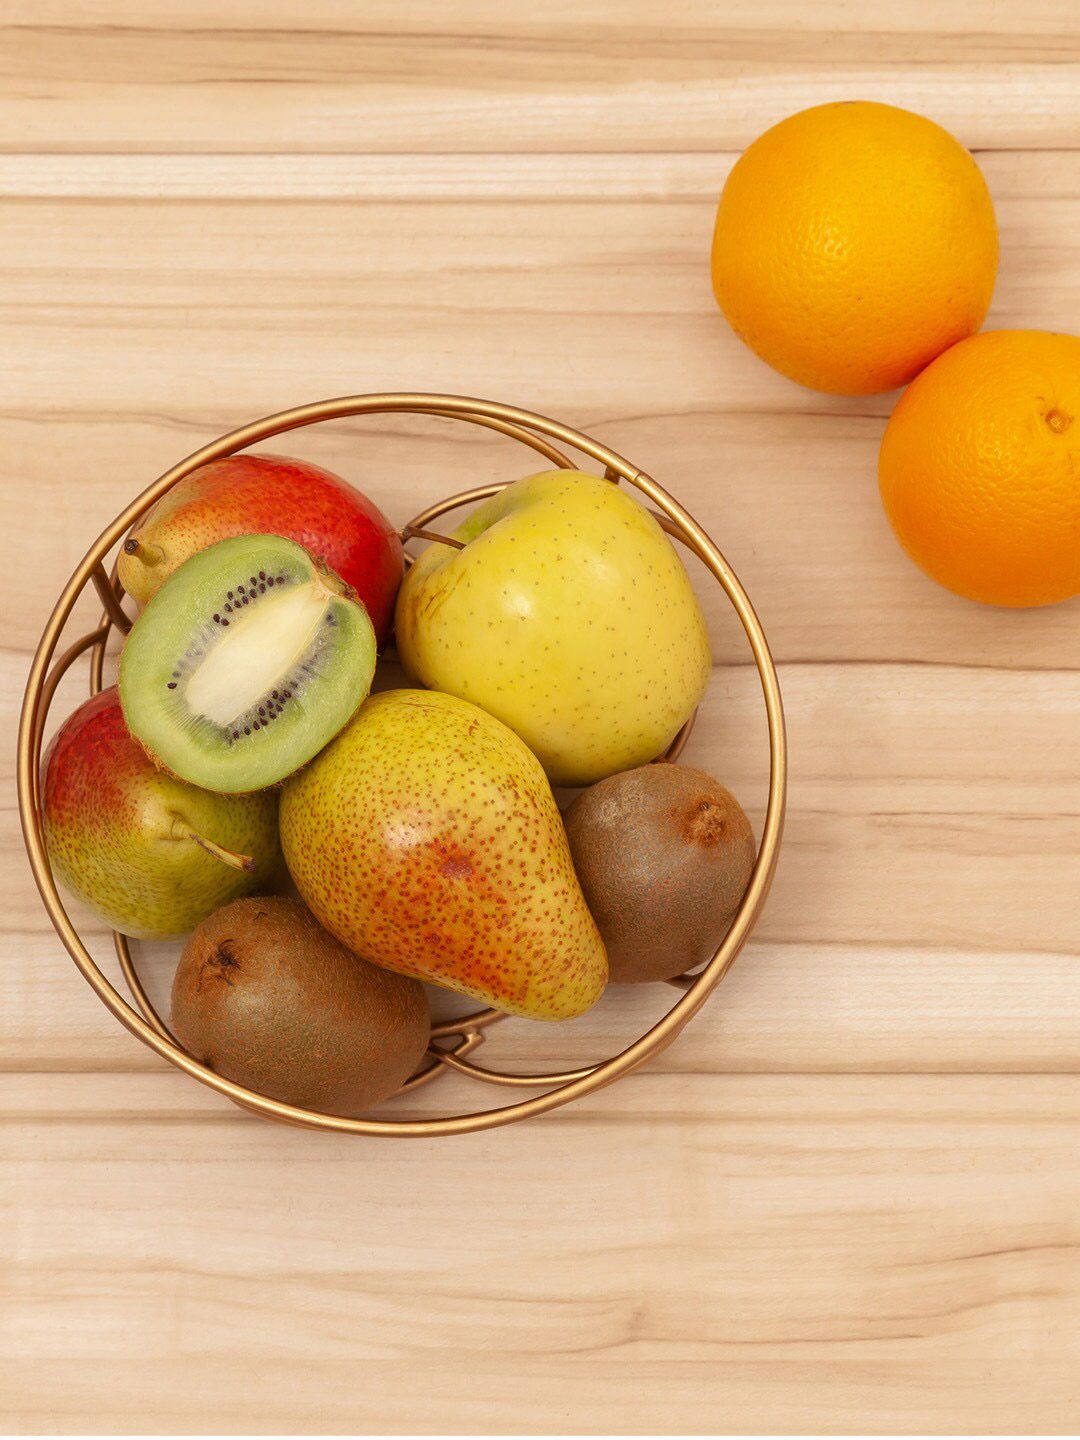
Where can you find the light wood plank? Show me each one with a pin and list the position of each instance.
(785, 1008)
(832, 22)
(754, 1254)
(594, 177)
(498, 77)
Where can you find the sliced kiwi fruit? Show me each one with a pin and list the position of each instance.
(247, 661)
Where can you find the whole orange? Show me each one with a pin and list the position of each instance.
(854, 242)
(980, 468)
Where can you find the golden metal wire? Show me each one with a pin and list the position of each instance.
(467, 1032)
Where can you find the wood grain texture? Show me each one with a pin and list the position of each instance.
(846, 1199)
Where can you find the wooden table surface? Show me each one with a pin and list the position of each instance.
(847, 1198)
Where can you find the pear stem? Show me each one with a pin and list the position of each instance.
(148, 554)
(411, 532)
(182, 831)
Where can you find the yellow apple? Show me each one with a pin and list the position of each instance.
(569, 616)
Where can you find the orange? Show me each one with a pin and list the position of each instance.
(980, 468)
(854, 243)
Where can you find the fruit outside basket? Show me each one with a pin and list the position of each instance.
(454, 1040)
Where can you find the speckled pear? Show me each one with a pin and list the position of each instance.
(569, 616)
(426, 838)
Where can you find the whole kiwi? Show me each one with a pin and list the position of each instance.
(663, 854)
(264, 996)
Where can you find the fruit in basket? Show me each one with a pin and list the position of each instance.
(269, 494)
(245, 663)
(264, 996)
(980, 468)
(569, 616)
(664, 855)
(854, 242)
(147, 853)
(426, 838)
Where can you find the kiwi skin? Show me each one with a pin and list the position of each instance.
(664, 855)
(265, 997)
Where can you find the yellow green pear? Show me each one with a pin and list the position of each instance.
(426, 838)
(568, 615)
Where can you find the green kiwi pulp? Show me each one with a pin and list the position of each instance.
(246, 662)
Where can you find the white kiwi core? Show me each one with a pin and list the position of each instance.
(257, 652)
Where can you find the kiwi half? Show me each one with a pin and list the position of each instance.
(247, 661)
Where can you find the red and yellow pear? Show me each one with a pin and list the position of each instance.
(426, 838)
(148, 853)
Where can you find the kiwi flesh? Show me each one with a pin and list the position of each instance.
(266, 998)
(247, 661)
(663, 853)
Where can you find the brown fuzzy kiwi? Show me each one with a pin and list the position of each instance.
(664, 854)
(264, 996)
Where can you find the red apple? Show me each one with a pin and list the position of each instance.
(269, 495)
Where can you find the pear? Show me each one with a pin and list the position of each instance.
(149, 854)
(426, 838)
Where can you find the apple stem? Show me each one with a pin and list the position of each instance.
(182, 831)
(412, 532)
(148, 554)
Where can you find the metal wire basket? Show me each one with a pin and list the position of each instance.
(452, 1041)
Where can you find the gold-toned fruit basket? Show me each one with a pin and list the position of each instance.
(453, 1041)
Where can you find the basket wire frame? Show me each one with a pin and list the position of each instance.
(465, 1033)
